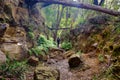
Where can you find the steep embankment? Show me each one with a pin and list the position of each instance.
(100, 37)
(15, 23)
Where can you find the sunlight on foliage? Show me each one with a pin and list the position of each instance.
(66, 45)
(42, 41)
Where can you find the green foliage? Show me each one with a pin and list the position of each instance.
(79, 20)
(43, 42)
(65, 35)
(37, 51)
(50, 14)
(31, 35)
(117, 28)
(13, 69)
(94, 78)
(30, 27)
(111, 73)
(101, 57)
(116, 5)
(70, 18)
(66, 45)
(43, 46)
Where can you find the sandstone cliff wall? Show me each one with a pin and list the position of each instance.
(15, 23)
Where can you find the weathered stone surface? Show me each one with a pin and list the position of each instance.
(56, 53)
(3, 28)
(15, 22)
(46, 73)
(2, 57)
(33, 61)
(69, 53)
(14, 43)
(16, 13)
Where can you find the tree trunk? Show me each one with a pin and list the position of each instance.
(58, 22)
(101, 2)
(84, 6)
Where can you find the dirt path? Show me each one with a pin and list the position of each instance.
(91, 67)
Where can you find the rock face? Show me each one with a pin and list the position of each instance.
(16, 12)
(3, 28)
(15, 21)
(46, 73)
(69, 53)
(89, 36)
(13, 42)
(2, 57)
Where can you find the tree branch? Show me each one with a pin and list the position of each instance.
(82, 5)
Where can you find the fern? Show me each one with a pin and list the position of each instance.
(43, 46)
(13, 69)
(66, 45)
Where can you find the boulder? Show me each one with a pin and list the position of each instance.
(12, 50)
(46, 73)
(69, 53)
(33, 61)
(74, 61)
(2, 57)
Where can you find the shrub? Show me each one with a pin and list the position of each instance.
(111, 72)
(42, 41)
(43, 46)
(13, 69)
(38, 51)
(66, 45)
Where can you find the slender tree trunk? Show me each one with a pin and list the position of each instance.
(101, 2)
(111, 4)
(67, 16)
(58, 23)
(55, 32)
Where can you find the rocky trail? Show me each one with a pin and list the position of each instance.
(91, 66)
(58, 61)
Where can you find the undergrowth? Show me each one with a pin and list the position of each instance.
(108, 74)
(42, 47)
(13, 69)
(31, 35)
(66, 45)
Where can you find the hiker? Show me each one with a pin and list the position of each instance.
(58, 42)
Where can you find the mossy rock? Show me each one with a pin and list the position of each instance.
(46, 73)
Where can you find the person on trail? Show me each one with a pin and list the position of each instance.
(58, 42)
